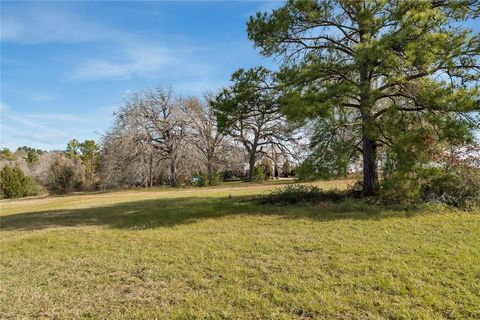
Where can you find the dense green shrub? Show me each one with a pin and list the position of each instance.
(310, 171)
(459, 188)
(260, 175)
(298, 194)
(215, 178)
(201, 180)
(401, 188)
(15, 184)
(231, 175)
(267, 165)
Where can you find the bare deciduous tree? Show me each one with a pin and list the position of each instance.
(211, 143)
(249, 111)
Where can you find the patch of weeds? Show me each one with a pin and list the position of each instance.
(302, 194)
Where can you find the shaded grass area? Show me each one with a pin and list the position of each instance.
(209, 253)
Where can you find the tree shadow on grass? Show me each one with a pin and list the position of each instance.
(146, 214)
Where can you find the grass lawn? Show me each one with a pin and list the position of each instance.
(209, 253)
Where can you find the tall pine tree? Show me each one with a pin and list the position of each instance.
(381, 59)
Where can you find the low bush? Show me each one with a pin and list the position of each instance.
(232, 175)
(215, 178)
(298, 194)
(401, 188)
(201, 180)
(260, 175)
(459, 188)
(306, 171)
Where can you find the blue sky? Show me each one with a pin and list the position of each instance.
(65, 67)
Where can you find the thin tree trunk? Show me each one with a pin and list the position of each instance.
(209, 173)
(251, 166)
(150, 171)
(173, 173)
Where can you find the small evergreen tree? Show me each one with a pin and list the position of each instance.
(89, 155)
(6, 154)
(32, 158)
(15, 184)
(202, 179)
(73, 149)
(260, 173)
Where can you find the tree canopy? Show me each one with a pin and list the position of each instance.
(390, 62)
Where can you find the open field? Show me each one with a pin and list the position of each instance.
(209, 253)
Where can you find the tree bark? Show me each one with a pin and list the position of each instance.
(369, 147)
(370, 175)
(173, 174)
(251, 166)
(150, 170)
(209, 173)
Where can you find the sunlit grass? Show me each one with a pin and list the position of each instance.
(211, 253)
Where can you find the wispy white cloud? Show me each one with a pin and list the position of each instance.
(47, 130)
(123, 55)
(42, 97)
(64, 117)
(23, 130)
(48, 23)
(138, 57)
(138, 60)
(105, 52)
(4, 107)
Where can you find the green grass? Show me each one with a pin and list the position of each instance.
(210, 253)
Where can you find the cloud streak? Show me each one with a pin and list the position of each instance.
(123, 55)
(76, 57)
(46, 23)
(47, 130)
(39, 97)
(139, 60)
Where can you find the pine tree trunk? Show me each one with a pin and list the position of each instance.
(370, 175)
(369, 147)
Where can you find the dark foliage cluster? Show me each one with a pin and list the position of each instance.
(301, 194)
(15, 184)
(459, 188)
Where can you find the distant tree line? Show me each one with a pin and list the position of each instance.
(159, 138)
(29, 171)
